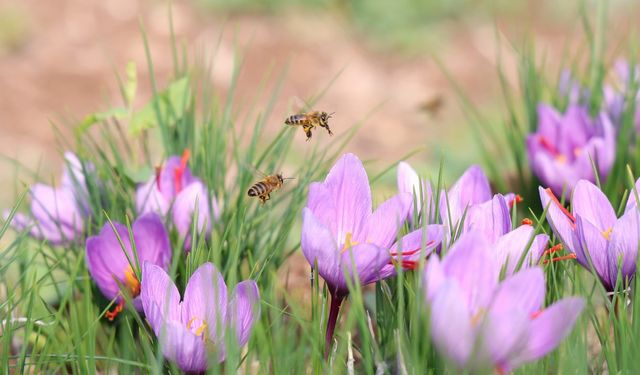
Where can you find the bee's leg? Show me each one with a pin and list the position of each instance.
(307, 131)
(267, 197)
(262, 199)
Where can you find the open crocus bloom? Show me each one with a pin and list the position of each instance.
(482, 324)
(594, 234)
(340, 232)
(189, 329)
(175, 188)
(58, 213)
(108, 265)
(520, 246)
(563, 148)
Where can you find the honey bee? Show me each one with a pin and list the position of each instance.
(310, 120)
(263, 189)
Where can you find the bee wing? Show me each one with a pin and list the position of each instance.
(299, 105)
(254, 169)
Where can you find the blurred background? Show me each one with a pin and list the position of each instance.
(383, 60)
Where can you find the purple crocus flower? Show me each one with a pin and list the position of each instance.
(175, 188)
(58, 213)
(108, 265)
(482, 324)
(410, 183)
(563, 148)
(342, 235)
(593, 233)
(511, 248)
(189, 329)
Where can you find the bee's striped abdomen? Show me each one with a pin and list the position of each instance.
(257, 189)
(295, 119)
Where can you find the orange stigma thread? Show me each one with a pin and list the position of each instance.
(116, 310)
(553, 249)
(555, 200)
(535, 314)
(517, 199)
(131, 281)
(179, 171)
(526, 221)
(558, 259)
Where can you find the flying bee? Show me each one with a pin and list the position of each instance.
(310, 120)
(263, 189)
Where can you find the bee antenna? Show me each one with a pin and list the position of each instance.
(330, 114)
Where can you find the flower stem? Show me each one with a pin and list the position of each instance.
(334, 309)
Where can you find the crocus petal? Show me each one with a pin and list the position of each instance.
(205, 298)
(244, 309)
(591, 204)
(318, 244)
(471, 188)
(186, 202)
(511, 248)
(408, 180)
(150, 199)
(594, 245)
(410, 247)
(383, 225)
(472, 264)
(433, 277)
(562, 225)
(321, 203)
(451, 328)
(56, 213)
(348, 184)
(106, 260)
(491, 218)
(623, 247)
(549, 328)
(152, 240)
(504, 334)
(181, 346)
(523, 291)
(159, 296)
(631, 202)
(368, 260)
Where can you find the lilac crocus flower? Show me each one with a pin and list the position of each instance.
(189, 329)
(58, 213)
(342, 235)
(594, 234)
(482, 324)
(175, 188)
(520, 244)
(563, 148)
(410, 183)
(108, 265)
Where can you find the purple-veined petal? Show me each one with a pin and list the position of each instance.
(408, 180)
(491, 218)
(319, 245)
(631, 202)
(150, 199)
(410, 247)
(523, 291)
(181, 346)
(433, 277)
(368, 261)
(504, 334)
(549, 328)
(152, 240)
(244, 309)
(205, 299)
(159, 296)
(623, 246)
(557, 216)
(591, 204)
(56, 213)
(321, 203)
(184, 208)
(471, 188)
(348, 184)
(383, 225)
(594, 244)
(451, 328)
(511, 248)
(473, 265)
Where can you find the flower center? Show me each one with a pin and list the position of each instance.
(198, 327)
(179, 171)
(348, 244)
(607, 234)
(131, 282)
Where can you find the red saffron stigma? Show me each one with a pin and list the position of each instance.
(526, 221)
(544, 142)
(411, 252)
(409, 264)
(535, 314)
(116, 310)
(553, 249)
(558, 259)
(517, 199)
(555, 200)
(179, 171)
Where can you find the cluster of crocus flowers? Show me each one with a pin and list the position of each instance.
(114, 268)
(615, 95)
(344, 238)
(599, 240)
(58, 213)
(482, 324)
(175, 190)
(191, 329)
(566, 147)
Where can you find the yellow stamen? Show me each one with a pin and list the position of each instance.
(348, 244)
(131, 281)
(607, 234)
(201, 330)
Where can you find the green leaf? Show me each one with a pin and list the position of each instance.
(131, 84)
(96, 117)
(167, 106)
